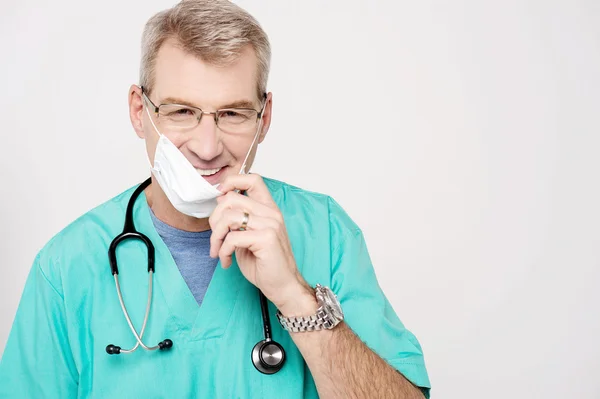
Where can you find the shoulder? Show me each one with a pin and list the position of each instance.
(308, 207)
(82, 238)
(319, 229)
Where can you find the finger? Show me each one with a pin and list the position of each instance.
(232, 221)
(233, 200)
(253, 241)
(253, 184)
(234, 240)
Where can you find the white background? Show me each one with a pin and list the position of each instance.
(461, 136)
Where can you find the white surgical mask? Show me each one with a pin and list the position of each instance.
(189, 192)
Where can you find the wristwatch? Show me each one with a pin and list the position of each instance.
(329, 314)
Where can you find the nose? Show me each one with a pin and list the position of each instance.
(205, 141)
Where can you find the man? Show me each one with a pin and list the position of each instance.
(216, 234)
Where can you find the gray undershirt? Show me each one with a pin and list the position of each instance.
(190, 250)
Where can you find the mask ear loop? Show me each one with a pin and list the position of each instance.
(145, 105)
(260, 125)
(151, 121)
(243, 168)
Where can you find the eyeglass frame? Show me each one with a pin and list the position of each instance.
(259, 114)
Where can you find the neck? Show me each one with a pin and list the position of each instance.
(166, 213)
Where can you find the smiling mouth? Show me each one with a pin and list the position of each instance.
(208, 172)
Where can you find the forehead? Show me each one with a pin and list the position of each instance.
(178, 74)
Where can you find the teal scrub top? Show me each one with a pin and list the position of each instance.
(70, 311)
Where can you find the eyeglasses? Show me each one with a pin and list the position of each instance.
(183, 117)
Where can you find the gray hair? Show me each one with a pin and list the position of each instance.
(216, 31)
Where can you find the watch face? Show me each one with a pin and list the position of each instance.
(333, 304)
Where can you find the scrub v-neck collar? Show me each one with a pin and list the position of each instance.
(209, 320)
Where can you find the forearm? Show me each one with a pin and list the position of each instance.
(344, 367)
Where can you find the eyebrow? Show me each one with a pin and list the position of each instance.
(235, 104)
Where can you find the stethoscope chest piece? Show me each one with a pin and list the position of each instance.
(268, 357)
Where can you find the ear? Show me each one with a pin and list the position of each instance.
(136, 109)
(267, 114)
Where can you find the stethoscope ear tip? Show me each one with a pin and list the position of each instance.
(113, 349)
(166, 344)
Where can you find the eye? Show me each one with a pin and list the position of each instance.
(181, 112)
(230, 114)
(236, 116)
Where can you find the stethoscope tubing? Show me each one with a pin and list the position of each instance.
(133, 330)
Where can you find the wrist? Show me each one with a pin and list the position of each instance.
(301, 302)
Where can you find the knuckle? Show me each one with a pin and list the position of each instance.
(280, 228)
(275, 229)
(271, 234)
(224, 248)
(228, 213)
(278, 216)
(212, 219)
(226, 200)
(230, 218)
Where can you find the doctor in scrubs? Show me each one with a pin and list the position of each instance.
(221, 235)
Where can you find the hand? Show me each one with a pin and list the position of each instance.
(263, 251)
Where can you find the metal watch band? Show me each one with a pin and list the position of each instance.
(316, 322)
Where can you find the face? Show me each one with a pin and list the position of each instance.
(184, 79)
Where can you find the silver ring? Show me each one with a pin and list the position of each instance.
(244, 221)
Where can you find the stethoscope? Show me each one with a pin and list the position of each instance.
(268, 356)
